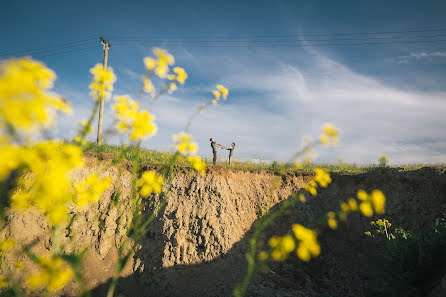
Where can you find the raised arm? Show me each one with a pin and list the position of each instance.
(221, 146)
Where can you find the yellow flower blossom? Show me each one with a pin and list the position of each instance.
(298, 165)
(216, 95)
(181, 74)
(171, 77)
(142, 126)
(322, 177)
(54, 275)
(302, 198)
(164, 60)
(46, 186)
(139, 124)
(378, 201)
(185, 144)
(224, 92)
(84, 125)
(150, 63)
(102, 83)
(329, 135)
(148, 86)
(172, 88)
(263, 256)
(308, 244)
(26, 103)
(198, 164)
(150, 182)
(332, 223)
(214, 102)
(3, 283)
(344, 207)
(282, 247)
(366, 208)
(362, 195)
(6, 245)
(352, 204)
(19, 265)
(368, 233)
(90, 190)
(10, 159)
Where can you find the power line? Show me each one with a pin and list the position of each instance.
(289, 35)
(288, 40)
(46, 49)
(284, 45)
(65, 52)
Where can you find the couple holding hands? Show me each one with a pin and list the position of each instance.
(214, 150)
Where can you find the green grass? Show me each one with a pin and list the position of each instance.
(154, 158)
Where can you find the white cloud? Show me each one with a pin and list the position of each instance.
(420, 55)
(271, 105)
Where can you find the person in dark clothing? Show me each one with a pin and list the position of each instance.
(231, 150)
(214, 149)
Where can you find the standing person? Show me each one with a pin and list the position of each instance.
(214, 149)
(231, 149)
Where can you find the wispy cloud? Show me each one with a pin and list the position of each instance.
(272, 105)
(421, 55)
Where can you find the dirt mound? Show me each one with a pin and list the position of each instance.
(197, 244)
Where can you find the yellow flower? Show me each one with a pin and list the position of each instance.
(298, 165)
(185, 144)
(344, 207)
(362, 195)
(19, 265)
(90, 189)
(150, 63)
(198, 164)
(282, 247)
(148, 85)
(45, 184)
(329, 135)
(6, 245)
(333, 224)
(172, 87)
(26, 103)
(263, 256)
(308, 244)
(142, 126)
(214, 101)
(102, 83)
(322, 177)
(150, 182)
(84, 125)
(368, 233)
(379, 201)
(352, 204)
(302, 198)
(139, 124)
(55, 274)
(216, 95)
(224, 92)
(164, 60)
(181, 74)
(366, 208)
(3, 283)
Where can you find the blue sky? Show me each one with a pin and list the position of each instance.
(387, 99)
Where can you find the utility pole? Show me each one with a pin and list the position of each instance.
(106, 46)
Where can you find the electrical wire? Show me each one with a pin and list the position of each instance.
(46, 49)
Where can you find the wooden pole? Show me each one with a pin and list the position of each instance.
(101, 106)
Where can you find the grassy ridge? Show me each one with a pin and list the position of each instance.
(161, 158)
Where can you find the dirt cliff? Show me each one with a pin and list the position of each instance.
(197, 244)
